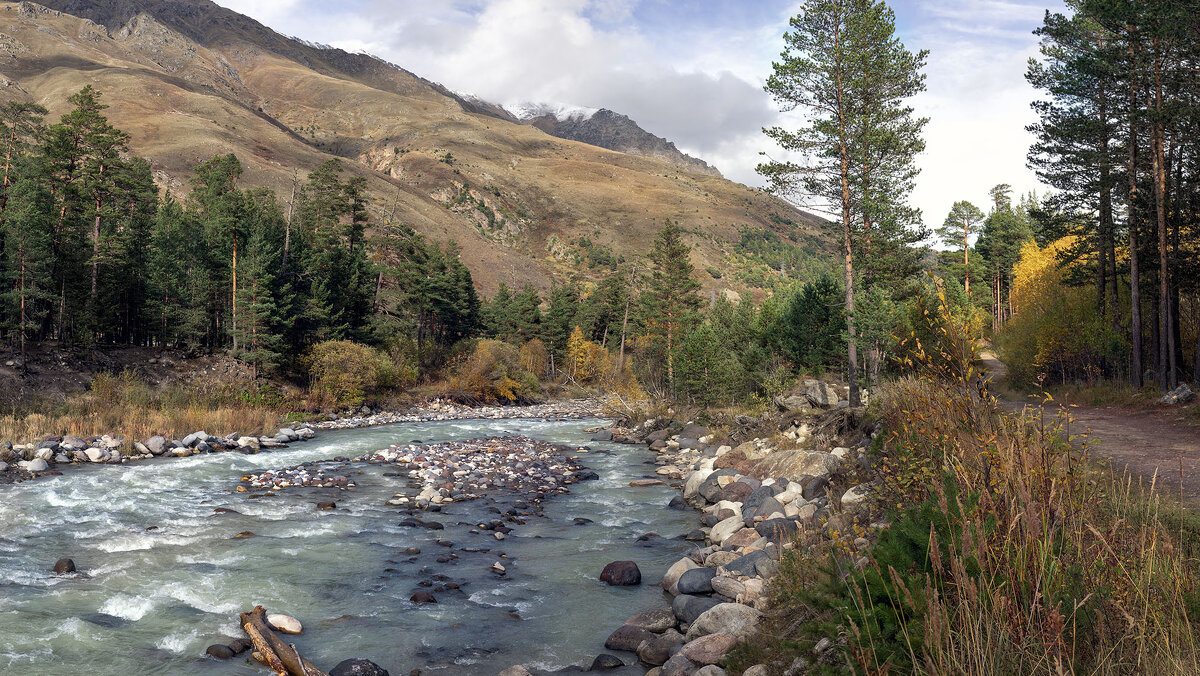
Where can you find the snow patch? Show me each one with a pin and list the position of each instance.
(561, 112)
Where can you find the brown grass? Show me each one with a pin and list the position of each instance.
(125, 405)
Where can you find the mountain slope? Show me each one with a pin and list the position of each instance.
(189, 79)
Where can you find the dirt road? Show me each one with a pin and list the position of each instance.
(1144, 442)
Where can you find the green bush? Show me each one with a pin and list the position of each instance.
(343, 373)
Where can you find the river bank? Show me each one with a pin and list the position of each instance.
(51, 454)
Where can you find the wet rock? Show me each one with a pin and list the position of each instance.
(627, 638)
(604, 662)
(422, 597)
(621, 574)
(325, 506)
(357, 666)
(586, 475)
(516, 670)
(678, 665)
(219, 651)
(696, 581)
(677, 502)
(64, 567)
(240, 645)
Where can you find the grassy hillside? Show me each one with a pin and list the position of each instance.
(188, 79)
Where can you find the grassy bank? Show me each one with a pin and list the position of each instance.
(124, 404)
(1008, 551)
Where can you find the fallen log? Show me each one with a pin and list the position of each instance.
(280, 657)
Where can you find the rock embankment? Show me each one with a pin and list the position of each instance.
(758, 499)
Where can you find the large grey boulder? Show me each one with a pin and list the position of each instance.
(35, 465)
(733, 619)
(724, 529)
(1179, 395)
(157, 444)
(688, 608)
(821, 395)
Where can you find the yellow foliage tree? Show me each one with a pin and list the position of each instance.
(1055, 332)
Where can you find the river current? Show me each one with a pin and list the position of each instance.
(165, 576)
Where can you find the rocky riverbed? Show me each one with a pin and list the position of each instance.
(442, 410)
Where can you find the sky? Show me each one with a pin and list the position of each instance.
(692, 71)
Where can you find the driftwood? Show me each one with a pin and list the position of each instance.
(280, 657)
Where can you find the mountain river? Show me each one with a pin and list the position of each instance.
(164, 576)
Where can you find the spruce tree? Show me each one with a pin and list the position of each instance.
(672, 299)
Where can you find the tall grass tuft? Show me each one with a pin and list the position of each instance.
(126, 405)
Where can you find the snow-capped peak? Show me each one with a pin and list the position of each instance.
(561, 112)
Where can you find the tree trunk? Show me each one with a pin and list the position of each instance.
(966, 257)
(1135, 295)
(281, 657)
(624, 326)
(844, 151)
(233, 323)
(1106, 210)
(1166, 350)
(24, 362)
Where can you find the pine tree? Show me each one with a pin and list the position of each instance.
(963, 222)
(27, 252)
(844, 67)
(672, 299)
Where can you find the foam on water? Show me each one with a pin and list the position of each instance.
(177, 642)
(131, 608)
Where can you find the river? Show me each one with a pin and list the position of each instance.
(165, 576)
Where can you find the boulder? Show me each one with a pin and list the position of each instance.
(693, 431)
(678, 665)
(656, 620)
(710, 488)
(765, 507)
(745, 565)
(157, 444)
(284, 624)
(737, 491)
(778, 530)
(677, 502)
(709, 649)
(691, 486)
(793, 403)
(423, 596)
(821, 395)
(856, 495)
(734, 619)
(64, 567)
(45, 453)
(813, 487)
(725, 528)
(96, 455)
(687, 608)
(660, 648)
(194, 438)
(757, 670)
(696, 581)
(621, 574)
(219, 651)
(605, 662)
(358, 667)
(32, 466)
(3, 466)
(1179, 395)
(516, 670)
(71, 443)
(710, 670)
(627, 638)
(728, 587)
(249, 442)
(743, 538)
(671, 577)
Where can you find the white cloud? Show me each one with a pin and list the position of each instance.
(696, 76)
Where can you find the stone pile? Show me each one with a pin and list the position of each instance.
(52, 453)
(438, 410)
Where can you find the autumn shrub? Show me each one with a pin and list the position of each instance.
(534, 358)
(492, 372)
(343, 373)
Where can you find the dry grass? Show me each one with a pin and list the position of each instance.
(127, 406)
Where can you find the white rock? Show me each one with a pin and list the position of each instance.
(723, 450)
(734, 619)
(96, 455)
(43, 454)
(284, 623)
(3, 466)
(725, 504)
(691, 487)
(856, 495)
(841, 453)
(35, 465)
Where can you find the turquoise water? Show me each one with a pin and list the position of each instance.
(152, 600)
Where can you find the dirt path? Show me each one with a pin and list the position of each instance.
(1144, 442)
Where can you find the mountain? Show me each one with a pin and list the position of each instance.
(607, 129)
(188, 79)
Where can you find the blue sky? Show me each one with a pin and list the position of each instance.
(693, 71)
